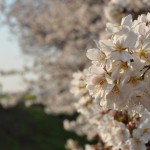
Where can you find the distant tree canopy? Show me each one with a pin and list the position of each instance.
(64, 24)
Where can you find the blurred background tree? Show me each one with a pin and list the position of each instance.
(57, 34)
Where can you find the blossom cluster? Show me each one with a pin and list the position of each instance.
(80, 91)
(113, 94)
(119, 75)
(112, 129)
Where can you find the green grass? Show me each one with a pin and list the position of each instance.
(31, 129)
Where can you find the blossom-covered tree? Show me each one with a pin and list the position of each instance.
(113, 94)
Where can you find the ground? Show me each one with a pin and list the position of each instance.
(31, 129)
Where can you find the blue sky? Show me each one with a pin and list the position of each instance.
(10, 53)
(11, 58)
